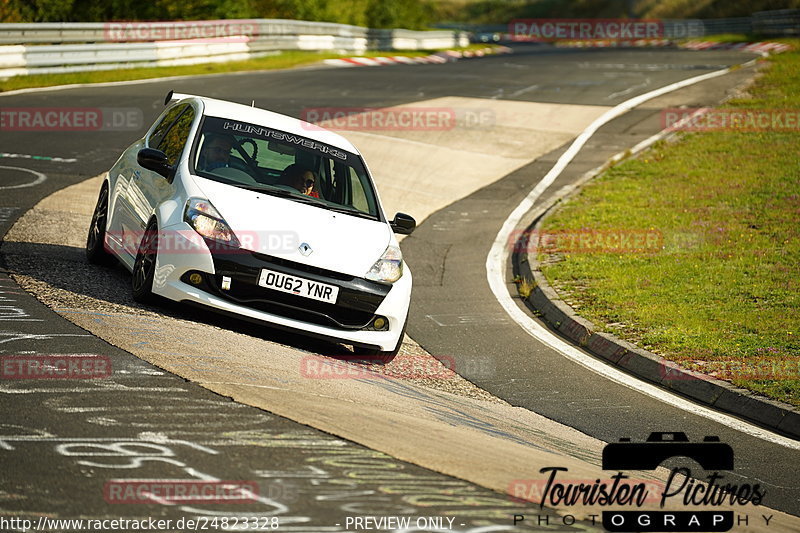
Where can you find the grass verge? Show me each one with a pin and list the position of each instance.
(721, 292)
(728, 38)
(283, 60)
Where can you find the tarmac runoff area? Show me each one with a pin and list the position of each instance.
(478, 141)
(426, 415)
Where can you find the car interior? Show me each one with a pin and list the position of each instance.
(258, 162)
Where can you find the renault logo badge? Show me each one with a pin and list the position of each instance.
(305, 249)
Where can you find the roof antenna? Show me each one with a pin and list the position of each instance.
(253, 103)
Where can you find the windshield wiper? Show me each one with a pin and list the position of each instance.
(266, 188)
(300, 197)
(350, 211)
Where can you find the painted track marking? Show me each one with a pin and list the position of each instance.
(6, 155)
(498, 258)
(39, 178)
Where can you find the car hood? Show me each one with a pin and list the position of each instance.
(279, 226)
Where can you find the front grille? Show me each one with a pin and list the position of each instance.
(291, 306)
(354, 309)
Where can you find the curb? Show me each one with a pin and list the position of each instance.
(758, 47)
(446, 56)
(545, 303)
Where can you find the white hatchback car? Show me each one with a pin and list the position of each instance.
(259, 215)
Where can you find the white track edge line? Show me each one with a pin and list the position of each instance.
(122, 83)
(498, 257)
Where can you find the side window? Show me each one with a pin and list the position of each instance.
(173, 142)
(326, 184)
(359, 196)
(164, 124)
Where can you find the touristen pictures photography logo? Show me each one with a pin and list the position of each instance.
(711, 500)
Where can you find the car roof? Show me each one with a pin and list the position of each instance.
(261, 117)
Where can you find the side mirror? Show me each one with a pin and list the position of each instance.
(154, 160)
(403, 224)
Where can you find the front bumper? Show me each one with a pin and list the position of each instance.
(350, 320)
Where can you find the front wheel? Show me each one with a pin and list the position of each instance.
(144, 268)
(96, 252)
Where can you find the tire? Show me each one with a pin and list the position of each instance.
(144, 268)
(96, 252)
(375, 356)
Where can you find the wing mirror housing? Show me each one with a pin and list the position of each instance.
(403, 224)
(154, 160)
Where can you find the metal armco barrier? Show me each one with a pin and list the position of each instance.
(776, 23)
(44, 48)
(779, 23)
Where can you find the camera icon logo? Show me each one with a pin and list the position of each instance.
(711, 454)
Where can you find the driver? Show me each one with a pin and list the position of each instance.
(301, 178)
(216, 152)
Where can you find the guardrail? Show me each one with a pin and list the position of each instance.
(778, 23)
(775, 23)
(44, 48)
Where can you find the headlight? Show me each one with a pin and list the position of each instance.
(206, 220)
(389, 267)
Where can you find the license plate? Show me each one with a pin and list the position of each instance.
(298, 286)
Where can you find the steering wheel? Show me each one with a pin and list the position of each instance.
(251, 142)
(249, 160)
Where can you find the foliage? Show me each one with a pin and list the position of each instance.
(412, 14)
(496, 12)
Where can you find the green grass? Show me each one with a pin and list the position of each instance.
(283, 60)
(723, 293)
(525, 286)
(736, 38)
(728, 38)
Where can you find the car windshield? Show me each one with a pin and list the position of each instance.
(283, 164)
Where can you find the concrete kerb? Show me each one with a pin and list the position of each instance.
(544, 302)
(444, 56)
